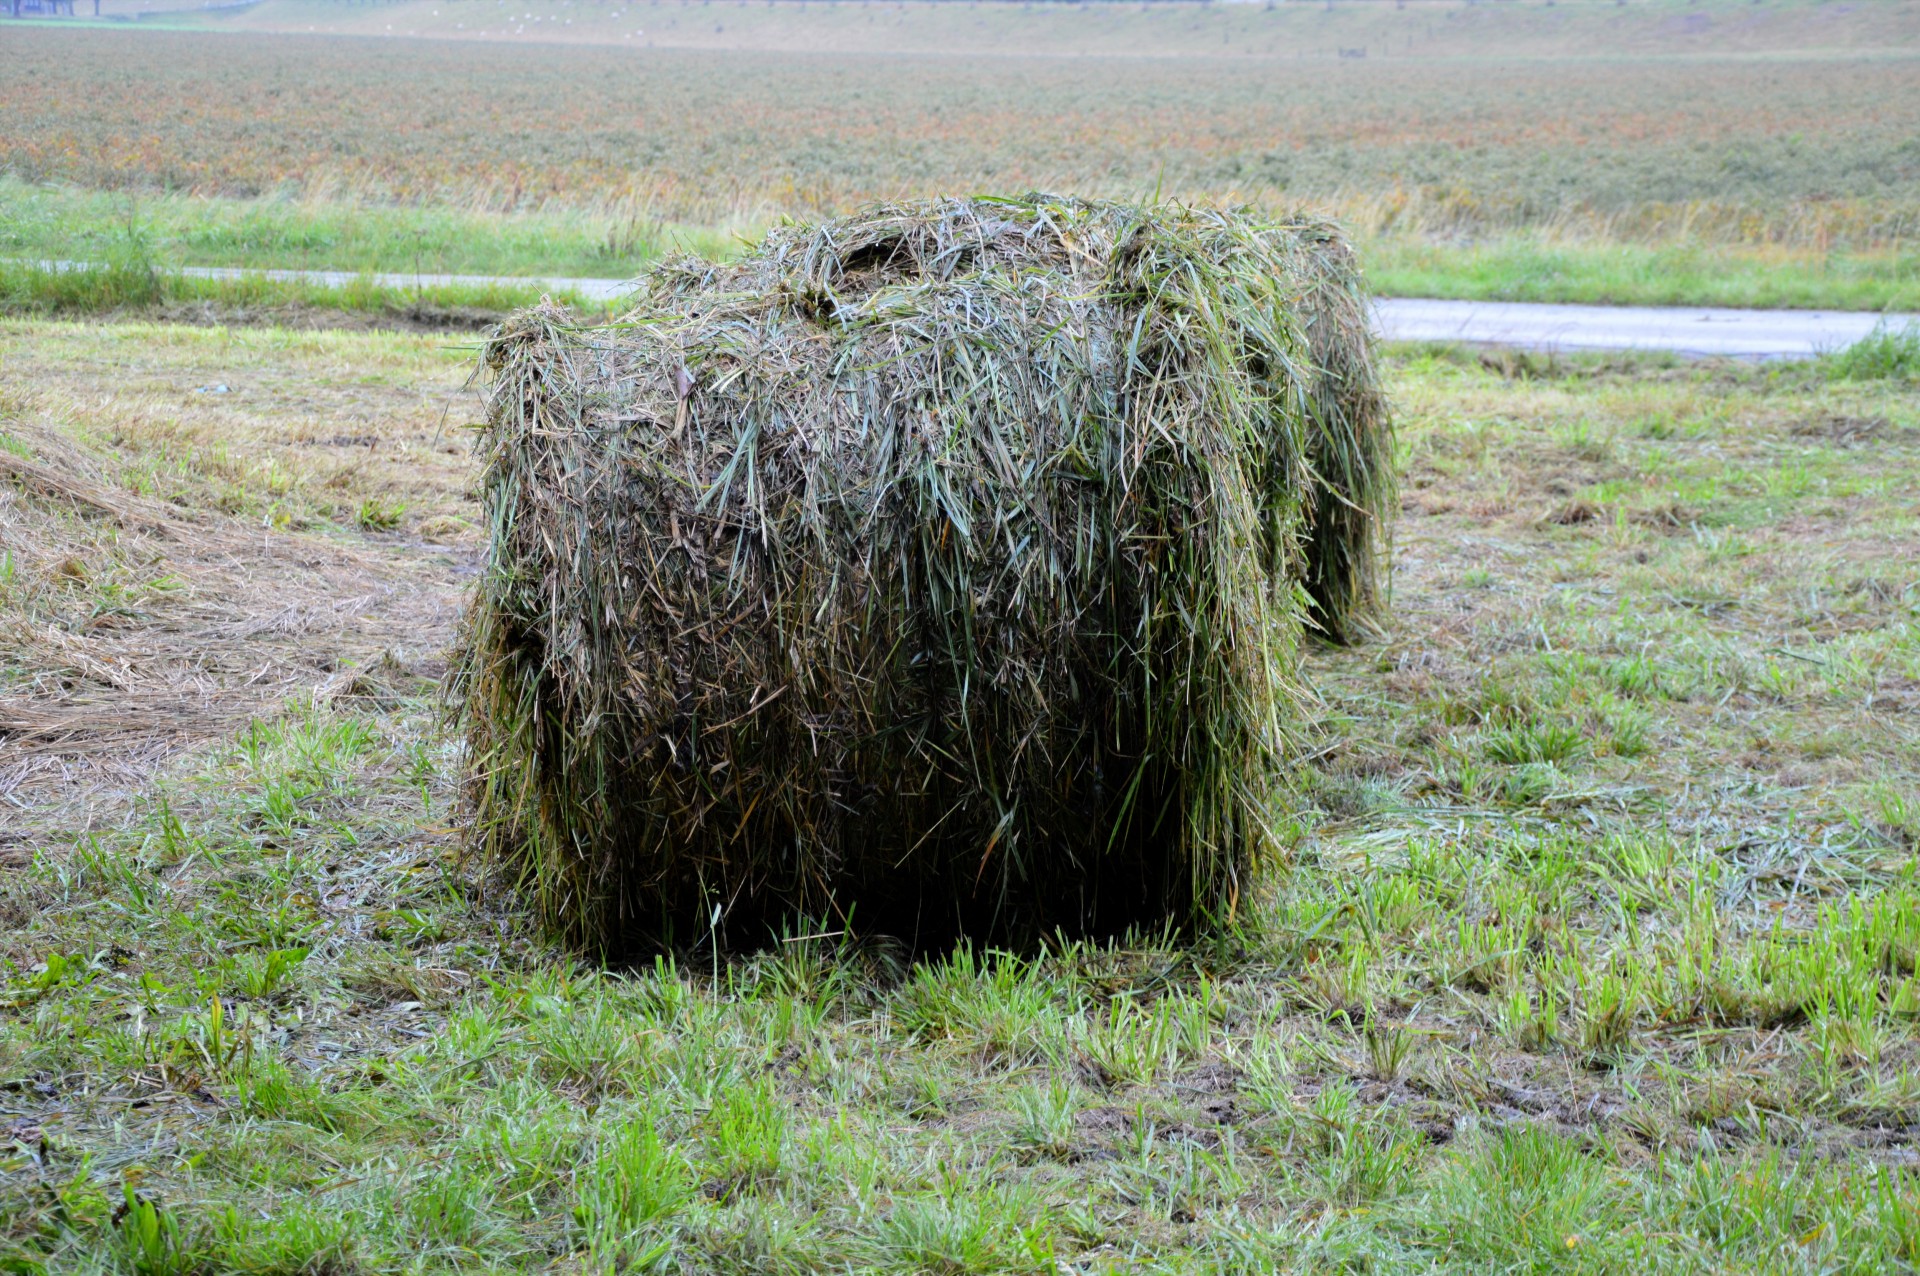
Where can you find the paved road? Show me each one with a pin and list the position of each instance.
(1744, 334)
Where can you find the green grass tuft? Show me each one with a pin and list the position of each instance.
(1886, 355)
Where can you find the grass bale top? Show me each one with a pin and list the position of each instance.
(936, 570)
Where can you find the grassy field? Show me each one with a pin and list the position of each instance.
(1658, 152)
(1579, 260)
(118, 288)
(1596, 948)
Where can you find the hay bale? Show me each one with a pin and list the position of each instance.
(945, 563)
(1351, 490)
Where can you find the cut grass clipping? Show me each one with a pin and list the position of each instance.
(938, 570)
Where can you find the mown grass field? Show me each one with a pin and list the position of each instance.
(1596, 946)
(1653, 153)
(1595, 949)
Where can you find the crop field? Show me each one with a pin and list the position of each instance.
(1654, 153)
(1291, 29)
(1595, 948)
(699, 135)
